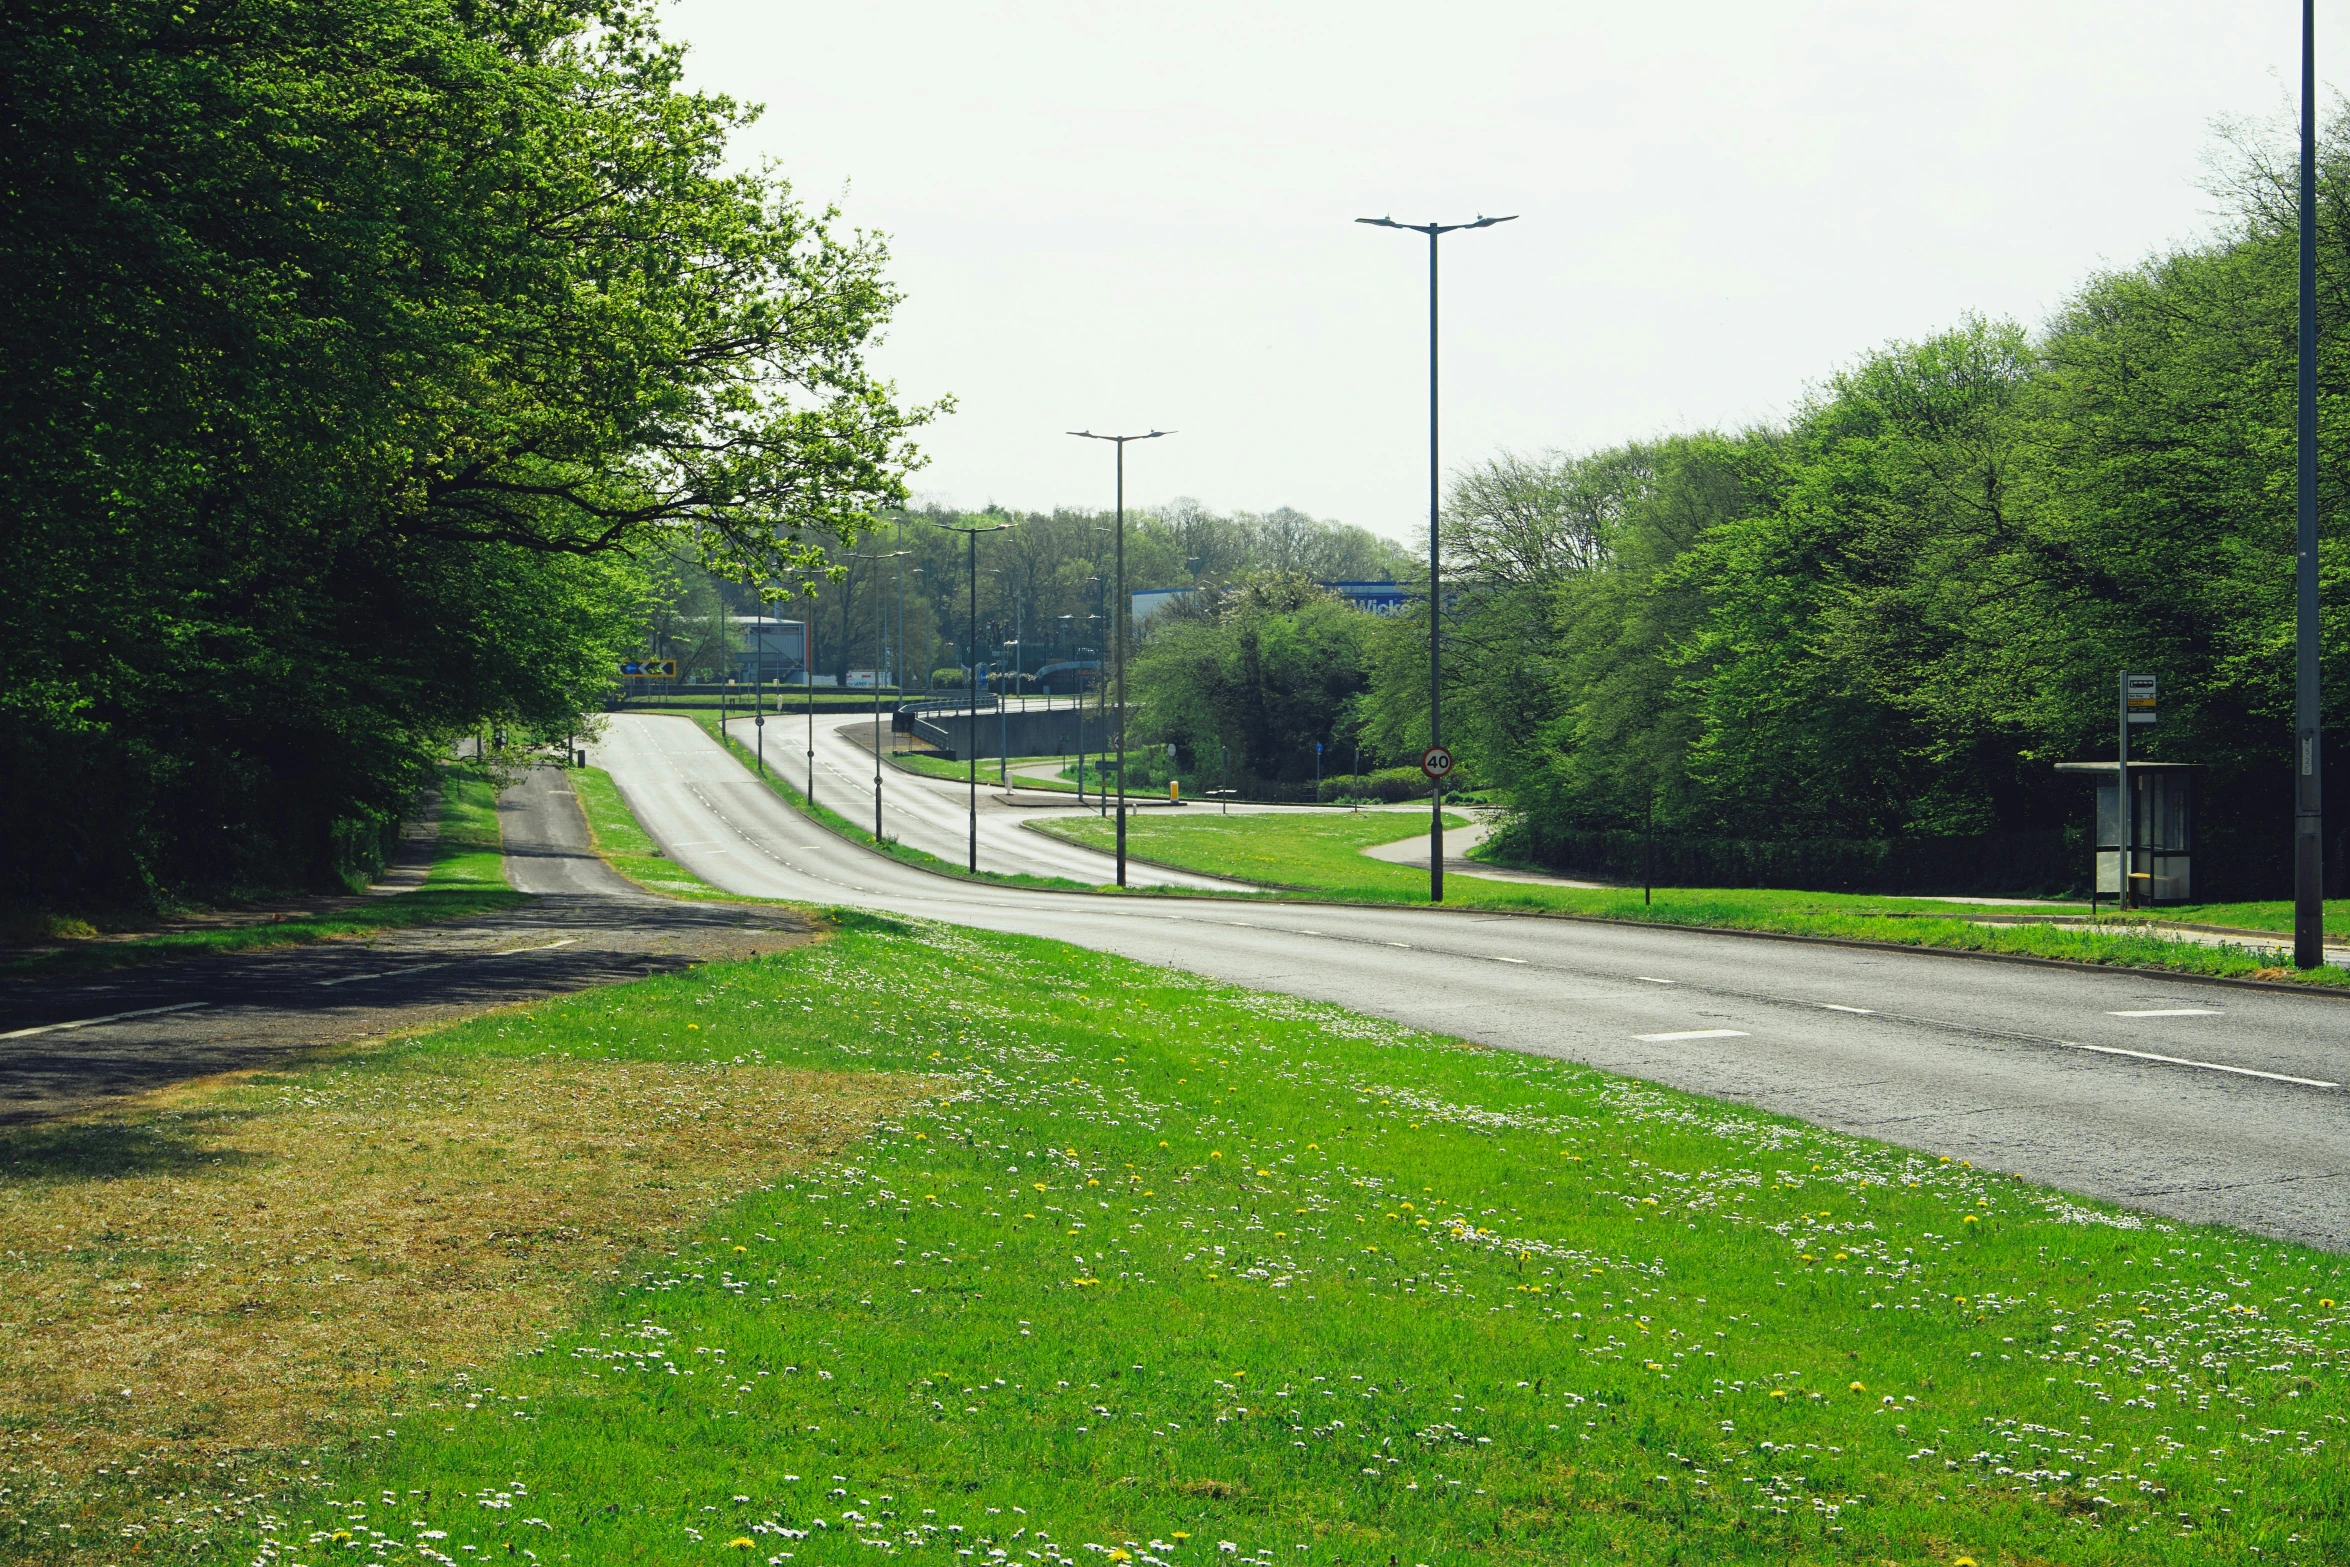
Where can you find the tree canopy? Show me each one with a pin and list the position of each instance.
(358, 357)
(1892, 615)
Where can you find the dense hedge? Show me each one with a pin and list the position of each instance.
(1993, 864)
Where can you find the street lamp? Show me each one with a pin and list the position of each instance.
(1435, 737)
(1118, 624)
(2309, 932)
(880, 622)
(971, 719)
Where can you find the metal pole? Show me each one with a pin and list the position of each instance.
(880, 625)
(759, 687)
(808, 657)
(1120, 623)
(971, 723)
(2121, 778)
(2308, 792)
(1435, 642)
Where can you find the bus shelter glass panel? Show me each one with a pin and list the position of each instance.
(2161, 836)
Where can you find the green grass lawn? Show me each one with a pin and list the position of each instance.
(957, 772)
(467, 878)
(1320, 854)
(1175, 1273)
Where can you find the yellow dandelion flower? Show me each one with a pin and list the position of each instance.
(1778, 1392)
(742, 1542)
(1653, 1366)
(1215, 1153)
(1860, 1387)
(1970, 1219)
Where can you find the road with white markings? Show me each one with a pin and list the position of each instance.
(2202, 1102)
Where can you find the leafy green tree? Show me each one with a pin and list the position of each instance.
(355, 355)
(1264, 668)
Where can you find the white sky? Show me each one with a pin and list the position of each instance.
(1124, 216)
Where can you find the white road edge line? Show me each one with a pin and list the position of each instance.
(2171, 1012)
(93, 1022)
(1696, 1033)
(1508, 960)
(2208, 1066)
(1863, 1011)
(1648, 979)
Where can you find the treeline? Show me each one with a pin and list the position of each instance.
(1875, 628)
(362, 369)
(1045, 585)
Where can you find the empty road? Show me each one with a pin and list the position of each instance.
(2197, 1101)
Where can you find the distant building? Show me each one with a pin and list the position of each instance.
(774, 651)
(1372, 598)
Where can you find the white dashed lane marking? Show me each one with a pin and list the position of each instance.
(93, 1022)
(2170, 1012)
(1695, 1033)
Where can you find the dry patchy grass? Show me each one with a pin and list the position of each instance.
(252, 1260)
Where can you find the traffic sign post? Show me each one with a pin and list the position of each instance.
(2137, 707)
(1436, 762)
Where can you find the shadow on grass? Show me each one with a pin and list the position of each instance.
(111, 1150)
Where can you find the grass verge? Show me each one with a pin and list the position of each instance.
(1181, 1274)
(625, 846)
(956, 772)
(467, 879)
(1321, 854)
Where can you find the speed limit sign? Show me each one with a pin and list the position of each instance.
(1436, 762)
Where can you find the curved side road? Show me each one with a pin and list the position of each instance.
(934, 814)
(2199, 1102)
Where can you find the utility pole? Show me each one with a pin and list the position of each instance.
(1118, 624)
(2309, 932)
(1434, 231)
(880, 625)
(971, 718)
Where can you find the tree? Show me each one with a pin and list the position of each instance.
(357, 357)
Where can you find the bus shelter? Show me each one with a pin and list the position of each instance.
(2157, 865)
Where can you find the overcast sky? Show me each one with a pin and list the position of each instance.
(1124, 216)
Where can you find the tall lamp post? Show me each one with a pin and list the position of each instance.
(1434, 231)
(971, 719)
(1118, 623)
(2309, 773)
(880, 629)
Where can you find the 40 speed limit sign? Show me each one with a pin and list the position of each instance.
(1436, 762)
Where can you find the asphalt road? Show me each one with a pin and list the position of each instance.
(935, 816)
(2200, 1102)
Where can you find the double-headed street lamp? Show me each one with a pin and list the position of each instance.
(880, 623)
(1118, 623)
(1435, 508)
(971, 725)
